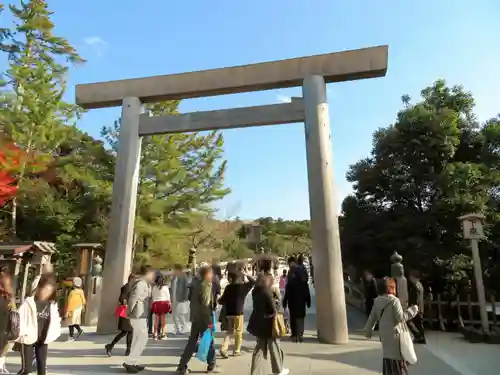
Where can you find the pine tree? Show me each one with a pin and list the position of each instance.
(180, 174)
(36, 118)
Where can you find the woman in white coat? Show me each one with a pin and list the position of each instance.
(39, 325)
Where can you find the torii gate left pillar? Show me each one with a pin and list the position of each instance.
(312, 73)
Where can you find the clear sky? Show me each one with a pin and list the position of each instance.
(456, 40)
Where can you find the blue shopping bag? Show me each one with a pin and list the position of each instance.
(204, 345)
(214, 322)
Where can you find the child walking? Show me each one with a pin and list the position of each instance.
(39, 326)
(160, 295)
(76, 304)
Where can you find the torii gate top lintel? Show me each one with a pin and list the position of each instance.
(334, 67)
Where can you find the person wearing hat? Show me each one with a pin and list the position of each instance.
(74, 309)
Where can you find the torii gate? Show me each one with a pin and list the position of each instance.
(312, 73)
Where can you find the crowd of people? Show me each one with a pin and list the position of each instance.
(148, 298)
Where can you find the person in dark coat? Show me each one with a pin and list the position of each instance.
(124, 325)
(233, 302)
(370, 291)
(266, 304)
(297, 297)
(201, 314)
(416, 297)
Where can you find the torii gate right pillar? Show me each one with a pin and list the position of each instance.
(327, 257)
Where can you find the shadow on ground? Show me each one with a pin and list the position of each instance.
(371, 360)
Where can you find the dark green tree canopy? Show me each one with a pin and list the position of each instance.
(435, 163)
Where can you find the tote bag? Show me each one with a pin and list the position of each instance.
(279, 327)
(204, 345)
(406, 345)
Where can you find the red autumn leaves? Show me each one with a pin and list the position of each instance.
(13, 162)
(10, 159)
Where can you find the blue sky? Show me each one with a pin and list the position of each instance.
(455, 40)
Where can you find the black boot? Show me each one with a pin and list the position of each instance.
(108, 348)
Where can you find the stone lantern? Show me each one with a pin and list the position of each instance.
(472, 225)
(398, 273)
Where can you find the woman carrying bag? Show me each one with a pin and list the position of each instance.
(266, 327)
(124, 325)
(40, 325)
(397, 350)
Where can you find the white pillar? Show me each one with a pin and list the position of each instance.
(478, 273)
(327, 257)
(118, 254)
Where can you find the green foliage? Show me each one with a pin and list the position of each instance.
(65, 177)
(435, 163)
(36, 118)
(285, 237)
(181, 174)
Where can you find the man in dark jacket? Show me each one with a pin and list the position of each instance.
(416, 297)
(233, 303)
(370, 291)
(201, 314)
(297, 297)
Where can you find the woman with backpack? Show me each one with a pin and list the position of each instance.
(39, 325)
(6, 305)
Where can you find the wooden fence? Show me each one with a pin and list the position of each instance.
(454, 314)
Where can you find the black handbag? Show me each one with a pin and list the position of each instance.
(13, 326)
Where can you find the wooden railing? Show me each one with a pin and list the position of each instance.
(446, 314)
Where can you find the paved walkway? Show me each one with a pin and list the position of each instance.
(445, 354)
(360, 357)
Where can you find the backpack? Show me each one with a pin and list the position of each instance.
(13, 325)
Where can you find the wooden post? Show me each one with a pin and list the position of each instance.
(15, 279)
(88, 281)
(442, 325)
(493, 310)
(25, 280)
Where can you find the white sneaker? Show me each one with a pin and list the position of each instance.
(285, 371)
(3, 370)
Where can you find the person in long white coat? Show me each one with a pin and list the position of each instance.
(39, 325)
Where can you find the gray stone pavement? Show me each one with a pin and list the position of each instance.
(360, 357)
(445, 354)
